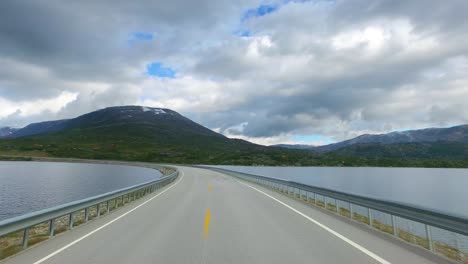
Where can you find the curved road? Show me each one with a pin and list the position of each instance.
(209, 217)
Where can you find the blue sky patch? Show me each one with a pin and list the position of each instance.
(259, 11)
(157, 69)
(143, 36)
(313, 139)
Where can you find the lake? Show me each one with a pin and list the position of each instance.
(30, 186)
(439, 190)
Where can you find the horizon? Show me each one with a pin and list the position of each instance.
(269, 72)
(301, 144)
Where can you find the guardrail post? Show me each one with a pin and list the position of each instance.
(394, 225)
(25, 238)
(351, 211)
(70, 221)
(107, 206)
(115, 203)
(349, 208)
(51, 228)
(429, 237)
(86, 212)
(370, 215)
(99, 210)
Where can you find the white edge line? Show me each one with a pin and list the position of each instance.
(105, 225)
(347, 240)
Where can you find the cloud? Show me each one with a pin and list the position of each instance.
(285, 70)
(34, 108)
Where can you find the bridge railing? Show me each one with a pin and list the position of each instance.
(442, 234)
(20, 232)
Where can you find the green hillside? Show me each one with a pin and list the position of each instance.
(137, 133)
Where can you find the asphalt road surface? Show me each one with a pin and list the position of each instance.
(209, 217)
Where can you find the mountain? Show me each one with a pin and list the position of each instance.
(138, 133)
(439, 150)
(7, 132)
(39, 128)
(144, 134)
(451, 134)
(113, 116)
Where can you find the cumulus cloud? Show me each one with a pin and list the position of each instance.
(262, 71)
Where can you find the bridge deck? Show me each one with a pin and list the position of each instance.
(208, 217)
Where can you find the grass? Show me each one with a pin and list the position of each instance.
(361, 218)
(344, 212)
(320, 203)
(331, 207)
(412, 238)
(382, 226)
(78, 218)
(450, 252)
(11, 244)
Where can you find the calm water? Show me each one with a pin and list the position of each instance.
(30, 186)
(442, 190)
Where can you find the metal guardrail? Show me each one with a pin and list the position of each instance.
(74, 214)
(439, 233)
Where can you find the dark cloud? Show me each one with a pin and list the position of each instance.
(330, 68)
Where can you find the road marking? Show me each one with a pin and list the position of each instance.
(206, 227)
(105, 225)
(210, 188)
(333, 232)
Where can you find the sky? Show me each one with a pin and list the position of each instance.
(303, 72)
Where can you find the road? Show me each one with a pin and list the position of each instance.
(209, 217)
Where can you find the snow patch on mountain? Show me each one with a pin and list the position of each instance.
(156, 111)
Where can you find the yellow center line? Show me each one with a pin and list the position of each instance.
(210, 187)
(206, 227)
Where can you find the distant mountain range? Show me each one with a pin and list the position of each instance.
(7, 131)
(162, 135)
(451, 134)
